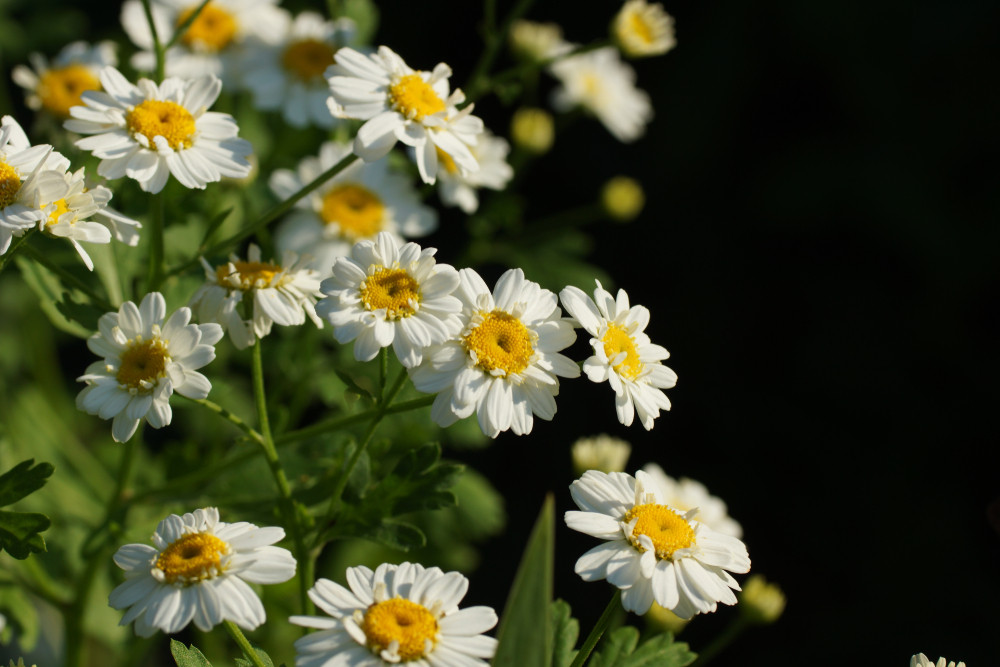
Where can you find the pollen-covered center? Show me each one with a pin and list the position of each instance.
(357, 211)
(192, 558)
(169, 120)
(212, 30)
(500, 343)
(10, 183)
(60, 209)
(307, 59)
(250, 275)
(60, 87)
(403, 621)
(617, 340)
(142, 363)
(414, 98)
(393, 289)
(668, 530)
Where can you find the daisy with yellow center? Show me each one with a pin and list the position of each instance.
(198, 569)
(504, 365)
(387, 294)
(282, 294)
(653, 551)
(57, 87)
(641, 29)
(397, 614)
(400, 103)
(149, 131)
(687, 494)
(623, 354)
(461, 189)
(144, 360)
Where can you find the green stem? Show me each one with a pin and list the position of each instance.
(244, 644)
(521, 71)
(183, 27)
(155, 275)
(494, 40)
(68, 278)
(383, 372)
(338, 423)
(598, 630)
(36, 579)
(161, 59)
(721, 641)
(13, 248)
(236, 421)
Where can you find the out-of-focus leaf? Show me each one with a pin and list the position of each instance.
(21, 616)
(352, 385)
(364, 13)
(188, 656)
(23, 479)
(565, 632)
(49, 291)
(397, 534)
(19, 530)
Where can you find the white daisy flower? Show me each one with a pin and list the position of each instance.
(623, 354)
(921, 660)
(653, 551)
(686, 494)
(641, 29)
(289, 75)
(281, 293)
(147, 132)
(199, 570)
(534, 41)
(400, 103)
(459, 189)
(144, 361)
(384, 294)
(212, 44)
(58, 86)
(397, 614)
(355, 205)
(602, 83)
(504, 365)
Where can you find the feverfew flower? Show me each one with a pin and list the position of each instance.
(384, 294)
(504, 365)
(57, 87)
(533, 41)
(601, 452)
(288, 75)
(280, 293)
(623, 354)
(687, 494)
(602, 83)
(199, 570)
(652, 551)
(355, 205)
(397, 614)
(400, 103)
(921, 660)
(459, 189)
(641, 29)
(147, 132)
(144, 361)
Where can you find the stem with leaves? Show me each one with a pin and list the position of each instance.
(244, 644)
(598, 630)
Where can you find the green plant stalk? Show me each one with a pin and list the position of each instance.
(338, 423)
(721, 641)
(13, 248)
(68, 278)
(183, 27)
(161, 56)
(244, 643)
(229, 416)
(520, 71)
(494, 40)
(156, 245)
(598, 630)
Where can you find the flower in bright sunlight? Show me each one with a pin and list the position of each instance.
(280, 293)
(399, 103)
(402, 613)
(921, 660)
(505, 364)
(623, 354)
(144, 361)
(57, 86)
(460, 189)
(652, 551)
(642, 29)
(198, 569)
(688, 494)
(386, 294)
(150, 131)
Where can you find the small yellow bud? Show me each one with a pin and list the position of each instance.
(623, 198)
(530, 40)
(760, 601)
(533, 130)
(601, 452)
(664, 619)
(641, 29)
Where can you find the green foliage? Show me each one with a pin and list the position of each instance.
(19, 531)
(365, 15)
(58, 304)
(565, 632)
(619, 650)
(264, 657)
(22, 616)
(187, 656)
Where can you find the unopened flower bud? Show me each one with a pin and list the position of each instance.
(601, 452)
(760, 601)
(533, 130)
(530, 40)
(623, 198)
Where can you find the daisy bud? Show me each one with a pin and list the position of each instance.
(533, 130)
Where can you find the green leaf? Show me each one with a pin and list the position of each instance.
(19, 530)
(264, 657)
(187, 657)
(617, 646)
(22, 480)
(565, 632)
(396, 534)
(352, 385)
(22, 616)
(365, 16)
(661, 651)
(49, 291)
(525, 634)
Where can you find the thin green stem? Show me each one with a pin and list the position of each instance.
(68, 278)
(183, 27)
(383, 372)
(13, 248)
(522, 70)
(338, 423)
(161, 59)
(155, 275)
(35, 578)
(721, 641)
(226, 414)
(494, 40)
(598, 630)
(244, 644)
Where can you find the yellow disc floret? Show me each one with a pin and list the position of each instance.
(414, 98)
(393, 289)
(250, 275)
(212, 30)
(500, 343)
(668, 530)
(399, 620)
(356, 210)
(60, 209)
(617, 340)
(169, 120)
(10, 183)
(192, 558)
(60, 88)
(142, 362)
(307, 59)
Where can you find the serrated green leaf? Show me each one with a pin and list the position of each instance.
(264, 657)
(22, 480)
(525, 634)
(19, 530)
(617, 646)
(661, 651)
(565, 632)
(397, 534)
(187, 656)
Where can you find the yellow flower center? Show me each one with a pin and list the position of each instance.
(668, 530)
(169, 120)
(143, 361)
(61, 208)
(192, 558)
(250, 275)
(308, 59)
(414, 98)
(212, 30)
(60, 88)
(10, 183)
(355, 209)
(617, 340)
(638, 27)
(392, 289)
(403, 621)
(446, 162)
(500, 342)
